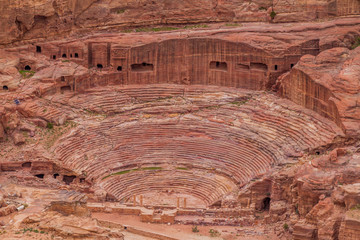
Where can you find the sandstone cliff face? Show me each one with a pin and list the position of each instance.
(23, 20)
(328, 84)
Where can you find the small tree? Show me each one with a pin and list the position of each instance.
(195, 229)
(286, 227)
(273, 5)
(50, 125)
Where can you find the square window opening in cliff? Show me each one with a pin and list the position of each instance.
(143, 67)
(54, 57)
(258, 66)
(215, 65)
(276, 67)
(291, 65)
(119, 68)
(5, 87)
(76, 55)
(27, 68)
(56, 175)
(99, 66)
(38, 49)
(71, 55)
(64, 55)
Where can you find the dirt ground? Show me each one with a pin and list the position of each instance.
(181, 231)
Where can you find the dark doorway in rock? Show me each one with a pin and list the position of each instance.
(38, 49)
(64, 55)
(26, 165)
(99, 66)
(265, 204)
(119, 68)
(27, 68)
(5, 87)
(56, 175)
(68, 179)
(71, 55)
(54, 57)
(143, 67)
(218, 66)
(65, 88)
(62, 78)
(76, 55)
(292, 65)
(276, 67)
(40, 175)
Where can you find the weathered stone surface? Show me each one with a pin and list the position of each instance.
(72, 226)
(18, 138)
(4, 211)
(2, 133)
(70, 208)
(304, 231)
(180, 119)
(351, 195)
(44, 18)
(350, 227)
(328, 84)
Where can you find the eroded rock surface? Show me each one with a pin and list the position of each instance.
(180, 127)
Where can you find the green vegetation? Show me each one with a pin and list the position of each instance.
(132, 170)
(182, 168)
(214, 233)
(196, 26)
(356, 43)
(31, 230)
(239, 103)
(195, 229)
(120, 11)
(262, 8)
(213, 107)
(127, 31)
(297, 209)
(50, 125)
(50, 135)
(156, 29)
(286, 227)
(95, 113)
(65, 61)
(272, 14)
(356, 207)
(26, 73)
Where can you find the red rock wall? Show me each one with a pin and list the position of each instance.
(348, 7)
(24, 20)
(303, 90)
(202, 61)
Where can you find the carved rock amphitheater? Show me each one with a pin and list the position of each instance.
(165, 120)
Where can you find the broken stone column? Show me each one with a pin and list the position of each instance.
(141, 200)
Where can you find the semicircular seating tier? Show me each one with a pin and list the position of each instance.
(192, 143)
